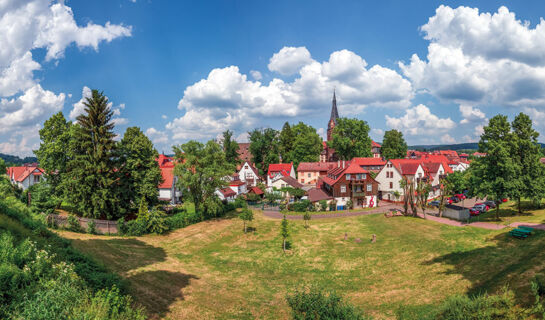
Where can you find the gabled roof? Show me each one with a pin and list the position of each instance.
(228, 192)
(374, 144)
(19, 174)
(256, 190)
(315, 166)
(282, 168)
(236, 183)
(369, 161)
(251, 166)
(354, 168)
(167, 173)
(406, 166)
(292, 182)
(315, 195)
(165, 162)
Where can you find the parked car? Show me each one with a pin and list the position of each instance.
(460, 196)
(434, 203)
(453, 199)
(474, 211)
(486, 207)
(490, 204)
(478, 209)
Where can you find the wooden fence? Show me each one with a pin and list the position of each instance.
(102, 226)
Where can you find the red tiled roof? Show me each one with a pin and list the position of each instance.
(168, 177)
(374, 144)
(406, 166)
(315, 195)
(236, 183)
(19, 174)
(228, 192)
(316, 166)
(256, 190)
(354, 169)
(165, 162)
(282, 168)
(369, 161)
(292, 182)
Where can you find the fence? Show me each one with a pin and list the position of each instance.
(102, 226)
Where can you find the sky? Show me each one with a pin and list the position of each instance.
(181, 70)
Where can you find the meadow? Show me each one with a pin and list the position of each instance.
(213, 270)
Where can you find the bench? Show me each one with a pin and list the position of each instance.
(525, 228)
(520, 233)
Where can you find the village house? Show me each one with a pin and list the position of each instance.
(375, 150)
(239, 187)
(309, 172)
(249, 174)
(350, 183)
(25, 176)
(279, 170)
(370, 164)
(167, 188)
(226, 194)
(285, 182)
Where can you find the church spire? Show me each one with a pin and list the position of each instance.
(334, 112)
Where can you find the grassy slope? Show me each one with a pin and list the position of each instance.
(213, 270)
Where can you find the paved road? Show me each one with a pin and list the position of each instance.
(430, 215)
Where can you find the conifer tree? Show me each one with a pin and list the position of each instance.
(286, 140)
(230, 147)
(95, 182)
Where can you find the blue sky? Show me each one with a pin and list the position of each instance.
(190, 69)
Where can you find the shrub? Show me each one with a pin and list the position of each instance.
(313, 303)
(136, 227)
(323, 205)
(92, 227)
(121, 226)
(300, 206)
(349, 204)
(240, 203)
(73, 223)
(156, 222)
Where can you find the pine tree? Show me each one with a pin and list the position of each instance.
(95, 182)
(230, 147)
(286, 141)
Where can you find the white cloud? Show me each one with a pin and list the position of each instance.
(243, 137)
(481, 58)
(289, 60)
(157, 136)
(256, 75)
(447, 138)
(79, 107)
(471, 114)
(227, 99)
(25, 26)
(419, 121)
(164, 116)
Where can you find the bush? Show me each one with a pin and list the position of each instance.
(156, 222)
(92, 227)
(300, 206)
(240, 203)
(313, 303)
(73, 223)
(136, 227)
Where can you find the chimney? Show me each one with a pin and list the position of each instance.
(338, 163)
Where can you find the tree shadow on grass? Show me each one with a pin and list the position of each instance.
(158, 290)
(506, 261)
(490, 216)
(121, 255)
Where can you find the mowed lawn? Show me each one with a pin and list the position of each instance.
(214, 270)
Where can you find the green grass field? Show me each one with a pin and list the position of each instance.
(214, 270)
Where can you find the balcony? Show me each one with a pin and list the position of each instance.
(358, 194)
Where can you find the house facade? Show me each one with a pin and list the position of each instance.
(25, 176)
(351, 183)
(239, 187)
(394, 171)
(370, 164)
(308, 173)
(167, 188)
(249, 174)
(226, 194)
(278, 170)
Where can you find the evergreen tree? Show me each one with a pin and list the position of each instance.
(95, 182)
(526, 155)
(53, 154)
(264, 147)
(286, 140)
(350, 139)
(495, 175)
(139, 160)
(307, 144)
(393, 145)
(202, 169)
(230, 147)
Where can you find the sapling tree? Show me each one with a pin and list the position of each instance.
(306, 218)
(246, 215)
(284, 232)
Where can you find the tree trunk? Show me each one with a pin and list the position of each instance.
(244, 226)
(519, 204)
(284, 245)
(498, 211)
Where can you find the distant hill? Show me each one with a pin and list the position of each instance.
(459, 146)
(17, 160)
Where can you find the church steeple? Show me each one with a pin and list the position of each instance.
(334, 112)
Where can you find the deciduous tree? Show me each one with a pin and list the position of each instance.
(351, 139)
(247, 215)
(307, 144)
(230, 147)
(264, 148)
(284, 232)
(393, 145)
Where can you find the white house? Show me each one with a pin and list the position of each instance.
(167, 188)
(239, 187)
(390, 176)
(458, 165)
(249, 174)
(25, 176)
(277, 170)
(226, 194)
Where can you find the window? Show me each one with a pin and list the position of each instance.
(391, 185)
(246, 167)
(343, 188)
(348, 176)
(36, 178)
(308, 176)
(369, 187)
(364, 176)
(420, 175)
(302, 180)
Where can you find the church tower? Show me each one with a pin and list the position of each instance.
(333, 119)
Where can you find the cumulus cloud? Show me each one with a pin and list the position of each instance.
(79, 108)
(157, 136)
(447, 138)
(227, 99)
(37, 24)
(289, 60)
(419, 121)
(471, 114)
(256, 75)
(481, 58)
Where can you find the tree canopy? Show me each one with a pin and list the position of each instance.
(351, 139)
(286, 141)
(230, 147)
(264, 147)
(393, 145)
(202, 169)
(307, 144)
